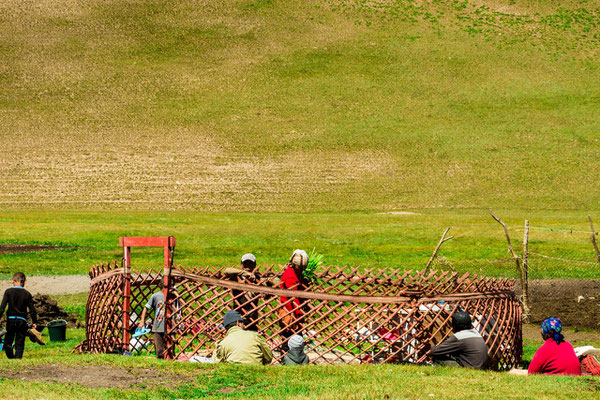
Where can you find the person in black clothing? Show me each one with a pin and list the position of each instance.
(19, 301)
(466, 348)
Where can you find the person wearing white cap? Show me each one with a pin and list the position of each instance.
(243, 302)
(295, 354)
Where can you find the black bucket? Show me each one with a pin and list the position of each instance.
(57, 330)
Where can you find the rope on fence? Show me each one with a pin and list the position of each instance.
(564, 259)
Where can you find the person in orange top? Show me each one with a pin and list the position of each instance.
(293, 279)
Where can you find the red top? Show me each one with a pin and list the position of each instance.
(289, 280)
(555, 359)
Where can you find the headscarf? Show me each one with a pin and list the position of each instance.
(299, 259)
(552, 327)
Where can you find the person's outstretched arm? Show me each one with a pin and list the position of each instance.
(447, 347)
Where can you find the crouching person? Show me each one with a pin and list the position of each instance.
(465, 348)
(295, 355)
(241, 346)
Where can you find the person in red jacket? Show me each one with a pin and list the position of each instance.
(292, 311)
(556, 356)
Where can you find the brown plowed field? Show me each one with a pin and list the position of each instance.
(576, 302)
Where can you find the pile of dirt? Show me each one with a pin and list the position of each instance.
(47, 309)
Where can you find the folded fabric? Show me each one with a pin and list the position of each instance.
(585, 350)
(140, 332)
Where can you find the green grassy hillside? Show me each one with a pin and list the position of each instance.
(272, 105)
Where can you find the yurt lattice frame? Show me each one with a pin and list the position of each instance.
(350, 315)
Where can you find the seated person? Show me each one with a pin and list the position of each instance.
(556, 356)
(241, 346)
(466, 348)
(295, 354)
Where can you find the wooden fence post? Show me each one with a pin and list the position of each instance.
(525, 273)
(434, 254)
(126, 296)
(594, 239)
(167, 283)
(520, 272)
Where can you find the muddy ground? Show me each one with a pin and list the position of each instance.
(576, 302)
(25, 248)
(94, 376)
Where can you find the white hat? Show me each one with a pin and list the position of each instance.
(248, 257)
(296, 342)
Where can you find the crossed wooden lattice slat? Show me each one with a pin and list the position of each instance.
(348, 315)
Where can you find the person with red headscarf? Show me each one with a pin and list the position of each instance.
(292, 311)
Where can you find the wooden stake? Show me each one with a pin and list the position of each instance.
(434, 254)
(594, 239)
(520, 272)
(525, 280)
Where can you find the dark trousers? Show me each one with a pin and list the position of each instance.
(16, 331)
(159, 344)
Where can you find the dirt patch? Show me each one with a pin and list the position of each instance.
(532, 332)
(97, 376)
(25, 248)
(576, 302)
(61, 284)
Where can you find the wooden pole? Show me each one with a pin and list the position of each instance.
(594, 239)
(167, 283)
(525, 273)
(434, 254)
(126, 296)
(520, 273)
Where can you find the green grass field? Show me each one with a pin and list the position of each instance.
(357, 239)
(270, 125)
(314, 382)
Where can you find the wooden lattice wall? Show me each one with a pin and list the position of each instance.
(349, 315)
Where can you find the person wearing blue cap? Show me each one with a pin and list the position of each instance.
(241, 346)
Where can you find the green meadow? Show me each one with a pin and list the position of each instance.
(188, 380)
(345, 239)
(359, 128)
